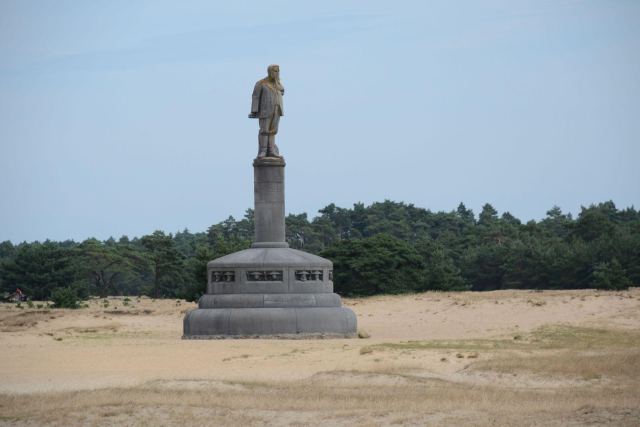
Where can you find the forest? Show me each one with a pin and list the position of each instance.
(385, 248)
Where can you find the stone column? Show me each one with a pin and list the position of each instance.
(268, 184)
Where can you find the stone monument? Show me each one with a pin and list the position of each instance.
(270, 290)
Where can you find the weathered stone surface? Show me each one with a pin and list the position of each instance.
(328, 300)
(319, 336)
(324, 319)
(262, 321)
(231, 301)
(269, 245)
(289, 300)
(251, 288)
(268, 188)
(288, 263)
(269, 300)
(352, 320)
(311, 287)
(206, 322)
(269, 321)
(269, 257)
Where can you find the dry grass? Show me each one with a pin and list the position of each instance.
(112, 327)
(583, 338)
(23, 320)
(611, 386)
(610, 365)
(544, 338)
(325, 395)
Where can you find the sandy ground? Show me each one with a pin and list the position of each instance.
(437, 336)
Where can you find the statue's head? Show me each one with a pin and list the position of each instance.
(273, 71)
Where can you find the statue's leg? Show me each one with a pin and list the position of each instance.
(272, 150)
(263, 138)
(263, 144)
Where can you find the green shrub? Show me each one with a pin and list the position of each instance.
(610, 276)
(377, 265)
(441, 272)
(126, 301)
(65, 298)
(30, 304)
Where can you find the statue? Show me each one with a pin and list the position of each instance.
(269, 290)
(266, 105)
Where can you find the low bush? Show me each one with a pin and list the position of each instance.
(65, 298)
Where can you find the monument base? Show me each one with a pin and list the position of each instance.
(264, 322)
(277, 293)
(270, 290)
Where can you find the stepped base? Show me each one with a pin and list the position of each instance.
(270, 337)
(305, 322)
(269, 300)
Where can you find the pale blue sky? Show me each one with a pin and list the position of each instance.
(123, 117)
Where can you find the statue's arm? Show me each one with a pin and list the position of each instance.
(255, 100)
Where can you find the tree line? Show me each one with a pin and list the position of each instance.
(387, 247)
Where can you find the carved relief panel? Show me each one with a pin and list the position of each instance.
(264, 276)
(223, 276)
(307, 275)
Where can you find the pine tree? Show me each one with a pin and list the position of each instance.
(166, 261)
(610, 276)
(488, 216)
(105, 263)
(381, 264)
(39, 268)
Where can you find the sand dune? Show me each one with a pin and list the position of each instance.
(518, 357)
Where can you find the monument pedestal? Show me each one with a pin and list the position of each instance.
(270, 290)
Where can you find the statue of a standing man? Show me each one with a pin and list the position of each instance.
(266, 105)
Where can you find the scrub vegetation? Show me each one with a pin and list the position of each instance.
(384, 248)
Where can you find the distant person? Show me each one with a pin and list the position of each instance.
(19, 295)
